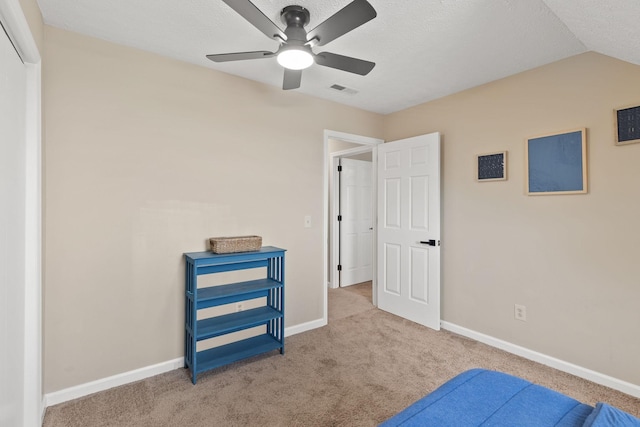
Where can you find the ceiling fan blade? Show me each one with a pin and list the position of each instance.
(251, 13)
(292, 79)
(348, 18)
(344, 63)
(225, 57)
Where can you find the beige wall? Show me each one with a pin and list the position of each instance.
(573, 261)
(146, 158)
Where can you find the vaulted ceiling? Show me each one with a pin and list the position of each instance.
(423, 49)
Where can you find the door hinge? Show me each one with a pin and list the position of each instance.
(339, 217)
(339, 267)
(339, 168)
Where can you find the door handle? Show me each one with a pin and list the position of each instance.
(430, 242)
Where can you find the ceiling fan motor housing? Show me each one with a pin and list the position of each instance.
(295, 18)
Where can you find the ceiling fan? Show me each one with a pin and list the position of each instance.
(295, 53)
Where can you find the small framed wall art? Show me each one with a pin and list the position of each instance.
(557, 163)
(627, 125)
(491, 166)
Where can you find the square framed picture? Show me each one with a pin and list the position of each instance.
(491, 166)
(557, 163)
(627, 125)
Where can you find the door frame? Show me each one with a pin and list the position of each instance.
(19, 32)
(330, 159)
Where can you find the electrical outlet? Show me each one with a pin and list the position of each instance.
(239, 306)
(520, 312)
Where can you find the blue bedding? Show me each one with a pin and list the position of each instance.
(487, 398)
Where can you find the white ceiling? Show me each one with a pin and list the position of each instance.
(423, 49)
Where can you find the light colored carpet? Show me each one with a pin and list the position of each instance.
(362, 368)
(350, 300)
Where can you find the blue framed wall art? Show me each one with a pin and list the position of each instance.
(557, 163)
(627, 124)
(491, 167)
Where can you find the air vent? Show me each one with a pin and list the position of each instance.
(343, 89)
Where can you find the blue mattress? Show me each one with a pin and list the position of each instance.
(488, 398)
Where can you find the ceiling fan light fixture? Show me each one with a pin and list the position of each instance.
(295, 59)
(295, 51)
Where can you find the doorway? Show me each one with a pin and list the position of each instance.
(338, 145)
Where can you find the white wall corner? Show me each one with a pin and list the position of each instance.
(561, 365)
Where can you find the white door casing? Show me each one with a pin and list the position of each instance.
(356, 226)
(13, 87)
(408, 214)
(25, 405)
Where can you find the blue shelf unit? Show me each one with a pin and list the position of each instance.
(271, 314)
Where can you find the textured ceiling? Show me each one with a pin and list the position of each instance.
(423, 49)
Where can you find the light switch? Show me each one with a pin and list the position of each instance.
(307, 221)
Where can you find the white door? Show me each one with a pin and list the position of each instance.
(356, 226)
(409, 229)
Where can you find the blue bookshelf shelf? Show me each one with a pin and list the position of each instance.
(234, 322)
(227, 294)
(270, 315)
(239, 350)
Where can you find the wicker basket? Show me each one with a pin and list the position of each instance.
(227, 245)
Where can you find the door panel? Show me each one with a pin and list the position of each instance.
(409, 213)
(392, 267)
(419, 274)
(419, 203)
(356, 227)
(392, 203)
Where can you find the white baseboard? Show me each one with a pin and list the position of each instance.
(304, 327)
(561, 365)
(82, 390)
(110, 382)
